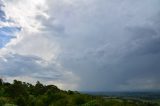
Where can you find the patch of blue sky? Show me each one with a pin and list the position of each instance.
(9, 30)
(4, 40)
(6, 34)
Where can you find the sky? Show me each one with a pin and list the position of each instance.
(84, 45)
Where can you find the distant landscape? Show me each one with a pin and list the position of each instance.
(153, 97)
(25, 94)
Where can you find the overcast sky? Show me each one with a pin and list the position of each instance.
(87, 45)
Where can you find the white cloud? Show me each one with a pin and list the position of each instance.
(32, 41)
(24, 12)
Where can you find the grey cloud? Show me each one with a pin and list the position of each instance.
(143, 41)
(15, 65)
(2, 14)
(110, 43)
(51, 26)
(142, 32)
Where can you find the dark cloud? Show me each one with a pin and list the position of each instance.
(2, 14)
(111, 45)
(143, 41)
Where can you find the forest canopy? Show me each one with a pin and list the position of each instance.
(21, 93)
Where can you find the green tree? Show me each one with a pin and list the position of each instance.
(39, 89)
(1, 82)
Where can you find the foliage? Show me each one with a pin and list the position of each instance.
(25, 94)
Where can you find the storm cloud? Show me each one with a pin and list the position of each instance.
(105, 45)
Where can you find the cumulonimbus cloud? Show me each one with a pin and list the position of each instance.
(107, 44)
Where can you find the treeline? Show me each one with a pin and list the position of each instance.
(25, 94)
